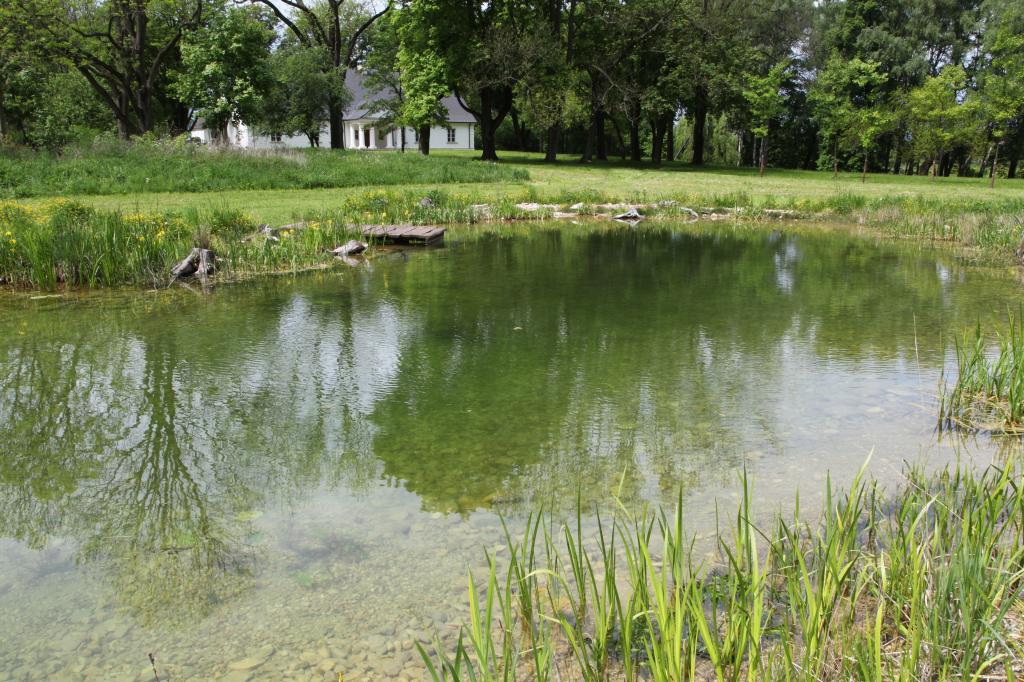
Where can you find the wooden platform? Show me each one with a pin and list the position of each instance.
(404, 234)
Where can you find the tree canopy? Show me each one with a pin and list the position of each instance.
(899, 86)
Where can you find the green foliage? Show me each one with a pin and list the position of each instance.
(847, 107)
(47, 106)
(224, 67)
(938, 115)
(300, 91)
(764, 97)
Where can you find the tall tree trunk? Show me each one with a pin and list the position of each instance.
(657, 139)
(995, 167)
(551, 152)
(764, 155)
(618, 138)
(984, 162)
(670, 136)
(635, 154)
(898, 161)
(599, 136)
(336, 122)
(495, 103)
(518, 130)
(835, 158)
(403, 139)
(700, 117)
(864, 169)
(747, 156)
(423, 139)
(964, 170)
(588, 147)
(1011, 170)
(488, 139)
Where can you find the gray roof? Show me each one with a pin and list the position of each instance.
(363, 99)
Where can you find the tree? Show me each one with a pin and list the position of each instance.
(382, 74)
(845, 103)
(121, 47)
(336, 28)
(422, 69)
(483, 49)
(764, 97)
(224, 71)
(1001, 81)
(939, 116)
(296, 102)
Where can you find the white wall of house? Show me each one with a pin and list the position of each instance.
(359, 134)
(366, 134)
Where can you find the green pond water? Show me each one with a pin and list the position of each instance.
(289, 478)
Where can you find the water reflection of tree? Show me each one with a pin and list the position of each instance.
(147, 434)
(96, 454)
(590, 396)
(642, 353)
(171, 548)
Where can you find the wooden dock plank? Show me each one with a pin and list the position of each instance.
(405, 234)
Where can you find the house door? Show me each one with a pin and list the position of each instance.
(366, 137)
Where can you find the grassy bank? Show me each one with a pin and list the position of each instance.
(63, 242)
(962, 211)
(147, 167)
(919, 583)
(136, 208)
(67, 243)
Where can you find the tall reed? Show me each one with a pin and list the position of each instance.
(988, 393)
(922, 583)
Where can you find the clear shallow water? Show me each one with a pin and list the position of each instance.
(289, 478)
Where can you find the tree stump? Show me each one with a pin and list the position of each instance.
(198, 263)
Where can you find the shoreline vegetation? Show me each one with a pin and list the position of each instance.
(923, 582)
(83, 240)
(988, 393)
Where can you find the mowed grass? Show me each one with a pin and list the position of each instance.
(610, 181)
(176, 167)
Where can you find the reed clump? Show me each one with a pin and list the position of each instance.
(64, 243)
(988, 393)
(924, 584)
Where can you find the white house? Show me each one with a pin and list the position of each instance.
(362, 127)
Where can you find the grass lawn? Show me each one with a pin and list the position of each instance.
(611, 181)
(101, 237)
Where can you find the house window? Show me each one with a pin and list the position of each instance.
(451, 136)
(275, 137)
(355, 137)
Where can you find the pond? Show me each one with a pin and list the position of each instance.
(289, 478)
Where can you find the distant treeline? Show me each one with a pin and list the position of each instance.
(899, 86)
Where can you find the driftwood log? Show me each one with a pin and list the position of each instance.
(198, 263)
(349, 248)
(630, 216)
